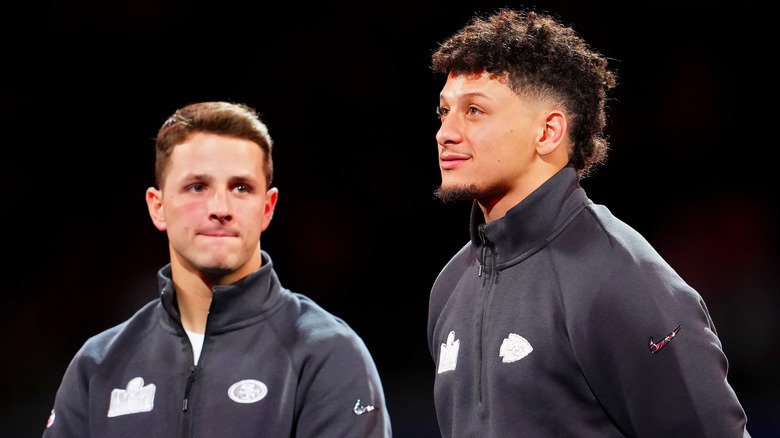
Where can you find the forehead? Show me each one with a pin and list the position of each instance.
(206, 153)
(482, 84)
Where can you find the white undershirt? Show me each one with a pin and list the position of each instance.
(196, 339)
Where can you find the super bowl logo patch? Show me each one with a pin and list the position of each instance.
(448, 357)
(134, 399)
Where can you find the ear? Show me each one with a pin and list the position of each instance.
(270, 204)
(553, 134)
(154, 202)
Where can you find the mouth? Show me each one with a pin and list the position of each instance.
(451, 161)
(217, 233)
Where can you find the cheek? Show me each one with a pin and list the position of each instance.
(185, 212)
(193, 208)
(511, 145)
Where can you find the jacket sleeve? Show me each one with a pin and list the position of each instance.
(339, 391)
(70, 416)
(648, 347)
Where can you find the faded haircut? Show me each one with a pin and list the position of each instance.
(221, 118)
(544, 59)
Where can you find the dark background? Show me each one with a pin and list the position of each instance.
(346, 90)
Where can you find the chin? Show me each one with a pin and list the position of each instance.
(457, 192)
(216, 271)
(218, 265)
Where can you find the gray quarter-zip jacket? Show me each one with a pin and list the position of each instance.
(559, 320)
(274, 364)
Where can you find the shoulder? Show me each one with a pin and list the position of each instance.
(334, 370)
(598, 240)
(97, 348)
(318, 323)
(451, 275)
(455, 268)
(608, 270)
(99, 351)
(461, 259)
(306, 329)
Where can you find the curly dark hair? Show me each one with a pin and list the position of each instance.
(544, 59)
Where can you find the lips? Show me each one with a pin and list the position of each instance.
(451, 161)
(217, 233)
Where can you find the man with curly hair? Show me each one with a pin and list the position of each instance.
(556, 319)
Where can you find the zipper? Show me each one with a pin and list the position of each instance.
(186, 429)
(190, 381)
(488, 258)
(483, 240)
(186, 416)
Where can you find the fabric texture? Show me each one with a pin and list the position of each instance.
(544, 325)
(273, 364)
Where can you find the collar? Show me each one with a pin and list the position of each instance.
(528, 226)
(233, 306)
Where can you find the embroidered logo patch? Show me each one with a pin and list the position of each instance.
(514, 348)
(655, 348)
(247, 391)
(360, 409)
(448, 356)
(135, 399)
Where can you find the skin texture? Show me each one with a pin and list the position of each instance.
(213, 205)
(496, 146)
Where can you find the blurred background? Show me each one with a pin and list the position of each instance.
(347, 92)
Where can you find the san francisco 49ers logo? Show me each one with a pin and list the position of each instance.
(247, 391)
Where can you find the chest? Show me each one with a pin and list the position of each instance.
(153, 389)
(501, 334)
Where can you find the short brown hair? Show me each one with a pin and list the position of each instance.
(542, 58)
(221, 118)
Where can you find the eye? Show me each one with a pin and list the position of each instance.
(442, 112)
(196, 188)
(243, 188)
(473, 111)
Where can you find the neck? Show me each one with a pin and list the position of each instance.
(194, 288)
(193, 296)
(495, 207)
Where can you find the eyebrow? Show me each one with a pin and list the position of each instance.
(468, 95)
(242, 179)
(196, 176)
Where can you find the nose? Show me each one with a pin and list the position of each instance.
(449, 132)
(219, 207)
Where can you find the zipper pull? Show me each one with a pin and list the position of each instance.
(484, 247)
(190, 381)
(483, 240)
(481, 232)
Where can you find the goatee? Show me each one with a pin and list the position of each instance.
(462, 193)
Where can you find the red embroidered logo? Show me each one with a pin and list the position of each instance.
(655, 348)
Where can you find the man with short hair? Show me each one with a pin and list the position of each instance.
(556, 319)
(226, 351)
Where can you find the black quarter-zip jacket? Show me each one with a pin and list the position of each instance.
(273, 364)
(545, 323)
